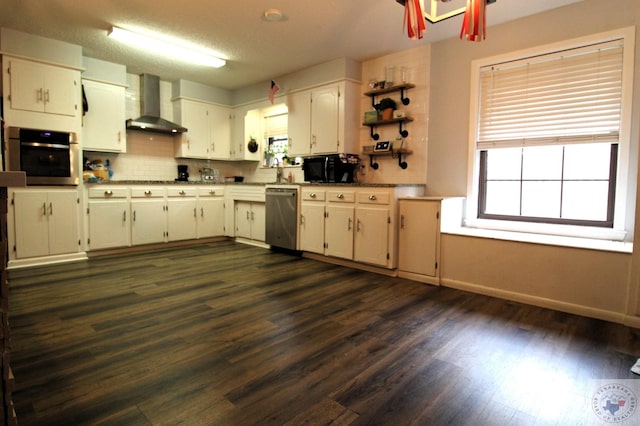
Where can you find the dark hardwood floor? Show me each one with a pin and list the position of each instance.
(231, 334)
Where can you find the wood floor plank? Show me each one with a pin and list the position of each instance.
(228, 334)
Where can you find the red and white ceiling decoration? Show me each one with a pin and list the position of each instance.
(473, 25)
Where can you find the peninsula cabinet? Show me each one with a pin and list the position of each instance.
(250, 220)
(324, 120)
(109, 217)
(209, 130)
(148, 215)
(104, 123)
(46, 222)
(419, 239)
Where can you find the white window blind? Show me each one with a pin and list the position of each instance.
(275, 125)
(573, 96)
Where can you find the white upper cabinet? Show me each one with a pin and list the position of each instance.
(104, 123)
(324, 120)
(208, 133)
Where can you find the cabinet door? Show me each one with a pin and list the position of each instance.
(243, 219)
(62, 91)
(109, 224)
(27, 85)
(210, 217)
(31, 223)
(312, 227)
(324, 120)
(339, 231)
(299, 133)
(181, 219)
(104, 124)
(220, 132)
(258, 221)
(371, 241)
(252, 129)
(63, 222)
(418, 236)
(195, 141)
(148, 221)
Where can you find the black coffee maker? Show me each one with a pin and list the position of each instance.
(183, 174)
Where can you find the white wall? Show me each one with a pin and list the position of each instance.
(595, 283)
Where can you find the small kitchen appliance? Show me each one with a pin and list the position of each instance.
(183, 174)
(330, 168)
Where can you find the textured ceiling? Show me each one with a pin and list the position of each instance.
(255, 50)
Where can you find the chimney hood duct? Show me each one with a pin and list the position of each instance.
(150, 121)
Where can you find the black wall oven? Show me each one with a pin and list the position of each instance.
(47, 157)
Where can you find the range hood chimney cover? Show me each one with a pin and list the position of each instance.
(150, 121)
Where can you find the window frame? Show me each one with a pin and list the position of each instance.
(620, 230)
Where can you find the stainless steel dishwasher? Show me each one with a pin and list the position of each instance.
(281, 215)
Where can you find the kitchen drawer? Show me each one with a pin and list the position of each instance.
(148, 192)
(373, 197)
(108, 192)
(313, 195)
(210, 191)
(341, 196)
(180, 191)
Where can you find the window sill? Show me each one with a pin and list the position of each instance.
(604, 240)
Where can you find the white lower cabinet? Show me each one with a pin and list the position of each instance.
(210, 212)
(250, 220)
(419, 239)
(312, 211)
(148, 215)
(109, 218)
(373, 227)
(46, 222)
(339, 224)
(181, 213)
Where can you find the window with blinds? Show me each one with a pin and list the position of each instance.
(573, 96)
(548, 134)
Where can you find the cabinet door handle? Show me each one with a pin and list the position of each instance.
(50, 209)
(108, 192)
(147, 192)
(46, 96)
(40, 94)
(44, 209)
(119, 136)
(252, 217)
(182, 192)
(301, 219)
(201, 212)
(340, 196)
(134, 215)
(358, 225)
(372, 197)
(349, 224)
(195, 212)
(248, 217)
(401, 221)
(124, 215)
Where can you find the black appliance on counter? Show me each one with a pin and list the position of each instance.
(328, 168)
(183, 174)
(47, 157)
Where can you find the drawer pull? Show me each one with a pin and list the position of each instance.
(182, 192)
(212, 192)
(108, 192)
(340, 196)
(372, 197)
(312, 195)
(147, 192)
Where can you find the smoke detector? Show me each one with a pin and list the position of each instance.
(273, 15)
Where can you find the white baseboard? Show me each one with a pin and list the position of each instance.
(48, 260)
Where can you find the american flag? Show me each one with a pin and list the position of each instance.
(274, 89)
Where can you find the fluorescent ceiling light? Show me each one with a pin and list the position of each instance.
(166, 48)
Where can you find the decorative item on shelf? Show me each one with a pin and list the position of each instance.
(385, 107)
(398, 113)
(370, 116)
(252, 145)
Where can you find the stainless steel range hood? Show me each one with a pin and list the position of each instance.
(150, 121)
